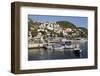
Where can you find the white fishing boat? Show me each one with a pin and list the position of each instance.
(47, 46)
(68, 45)
(58, 46)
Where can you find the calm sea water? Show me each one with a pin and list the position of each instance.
(49, 54)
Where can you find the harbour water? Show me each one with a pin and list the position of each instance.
(50, 54)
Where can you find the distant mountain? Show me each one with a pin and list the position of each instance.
(83, 29)
(66, 24)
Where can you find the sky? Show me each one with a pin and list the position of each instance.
(78, 21)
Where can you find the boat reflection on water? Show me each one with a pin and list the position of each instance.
(77, 53)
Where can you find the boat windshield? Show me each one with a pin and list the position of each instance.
(68, 43)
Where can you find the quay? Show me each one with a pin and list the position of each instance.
(69, 44)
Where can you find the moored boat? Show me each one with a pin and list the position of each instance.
(77, 49)
(68, 45)
(58, 46)
(47, 46)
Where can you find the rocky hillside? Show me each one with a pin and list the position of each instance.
(58, 29)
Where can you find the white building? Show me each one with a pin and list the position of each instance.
(69, 30)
